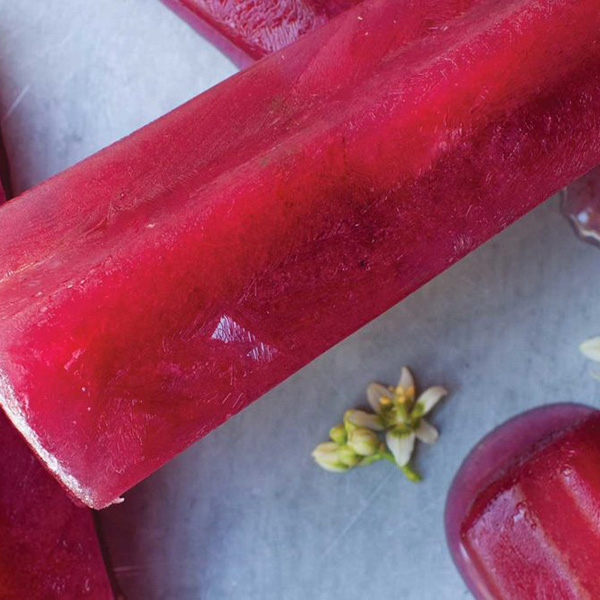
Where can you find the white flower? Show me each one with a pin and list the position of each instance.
(401, 412)
(591, 349)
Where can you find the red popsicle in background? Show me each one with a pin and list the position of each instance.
(48, 546)
(157, 288)
(581, 205)
(530, 528)
(246, 30)
(5, 181)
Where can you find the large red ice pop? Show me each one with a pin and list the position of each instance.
(157, 288)
(247, 30)
(48, 546)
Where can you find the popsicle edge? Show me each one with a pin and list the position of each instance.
(12, 408)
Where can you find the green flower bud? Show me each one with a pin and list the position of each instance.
(338, 434)
(327, 456)
(347, 456)
(349, 426)
(360, 418)
(363, 441)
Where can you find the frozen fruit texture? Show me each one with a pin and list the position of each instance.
(154, 290)
(534, 531)
(247, 30)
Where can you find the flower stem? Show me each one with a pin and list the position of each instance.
(409, 471)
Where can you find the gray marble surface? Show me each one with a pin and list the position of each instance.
(245, 514)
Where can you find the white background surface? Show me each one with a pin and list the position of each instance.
(245, 514)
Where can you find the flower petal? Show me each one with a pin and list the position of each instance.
(361, 418)
(407, 383)
(428, 399)
(427, 433)
(401, 445)
(591, 349)
(375, 392)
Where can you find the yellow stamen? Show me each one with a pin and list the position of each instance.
(400, 395)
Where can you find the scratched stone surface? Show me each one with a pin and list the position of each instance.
(245, 513)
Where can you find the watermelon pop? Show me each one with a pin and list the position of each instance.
(48, 549)
(157, 288)
(48, 546)
(246, 30)
(531, 532)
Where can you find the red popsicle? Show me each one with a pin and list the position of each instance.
(48, 546)
(533, 531)
(157, 288)
(246, 30)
